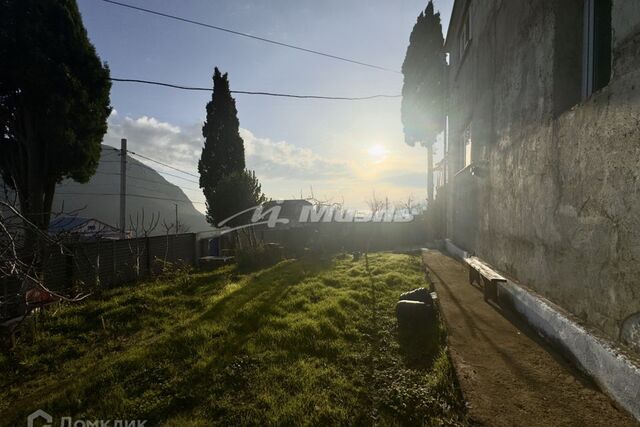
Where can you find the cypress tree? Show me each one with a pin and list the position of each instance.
(423, 92)
(235, 193)
(223, 152)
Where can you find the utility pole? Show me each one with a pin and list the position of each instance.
(123, 187)
(430, 173)
(176, 217)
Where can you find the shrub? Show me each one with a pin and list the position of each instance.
(258, 256)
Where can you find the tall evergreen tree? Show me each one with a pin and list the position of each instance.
(235, 193)
(423, 92)
(424, 80)
(223, 152)
(54, 101)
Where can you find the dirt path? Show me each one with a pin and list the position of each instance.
(508, 376)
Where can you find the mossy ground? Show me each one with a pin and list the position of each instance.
(304, 342)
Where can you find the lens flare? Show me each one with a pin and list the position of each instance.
(378, 152)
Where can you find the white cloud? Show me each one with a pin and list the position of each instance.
(159, 140)
(282, 160)
(181, 147)
(284, 169)
(152, 124)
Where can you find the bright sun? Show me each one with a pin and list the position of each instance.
(378, 153)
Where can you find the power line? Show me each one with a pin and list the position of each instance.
(162, 173)
(142, 187)
(238, 33)
(137, 186)
(142, 165)
(160, 182)
(130, 195)
(152, 181)
(176, 176)
(246, 92)
(163, 164)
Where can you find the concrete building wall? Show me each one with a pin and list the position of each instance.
(553, 195)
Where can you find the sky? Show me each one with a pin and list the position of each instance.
(339, 151)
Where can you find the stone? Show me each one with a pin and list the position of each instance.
(412, 314)
(420, 294)
(630, 332)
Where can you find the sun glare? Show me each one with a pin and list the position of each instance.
(378, 152)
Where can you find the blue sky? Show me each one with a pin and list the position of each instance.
(344, 150)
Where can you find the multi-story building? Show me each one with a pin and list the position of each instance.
(543, 161)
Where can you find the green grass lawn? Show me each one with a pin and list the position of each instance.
(301, 343)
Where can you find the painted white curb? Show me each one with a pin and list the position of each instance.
(454, 250)
(616, 374)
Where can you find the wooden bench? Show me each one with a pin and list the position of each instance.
(483, 275)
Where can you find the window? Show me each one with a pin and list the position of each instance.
(568, 55)
(596, 52)
(467, 146)
(465, 35)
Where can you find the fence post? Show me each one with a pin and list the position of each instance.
(98, 267)
(99, 252)
(115, 267)
(5, 291)
(196, 250)
(147, 247)
(69, 267)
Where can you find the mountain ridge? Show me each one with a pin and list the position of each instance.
(147, 191)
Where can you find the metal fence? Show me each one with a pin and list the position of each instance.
(114, 262)
(102, 263)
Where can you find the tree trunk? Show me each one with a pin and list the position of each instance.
(35, 192)
(430, 174)
(49, 192)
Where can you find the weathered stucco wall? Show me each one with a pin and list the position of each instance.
(626, 19)
(555, 201)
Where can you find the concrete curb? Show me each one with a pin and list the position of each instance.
(450, 247)
(617, 374)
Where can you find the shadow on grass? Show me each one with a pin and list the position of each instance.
(241, 348)
(240, 315)
(266, 288)
(420, 344)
